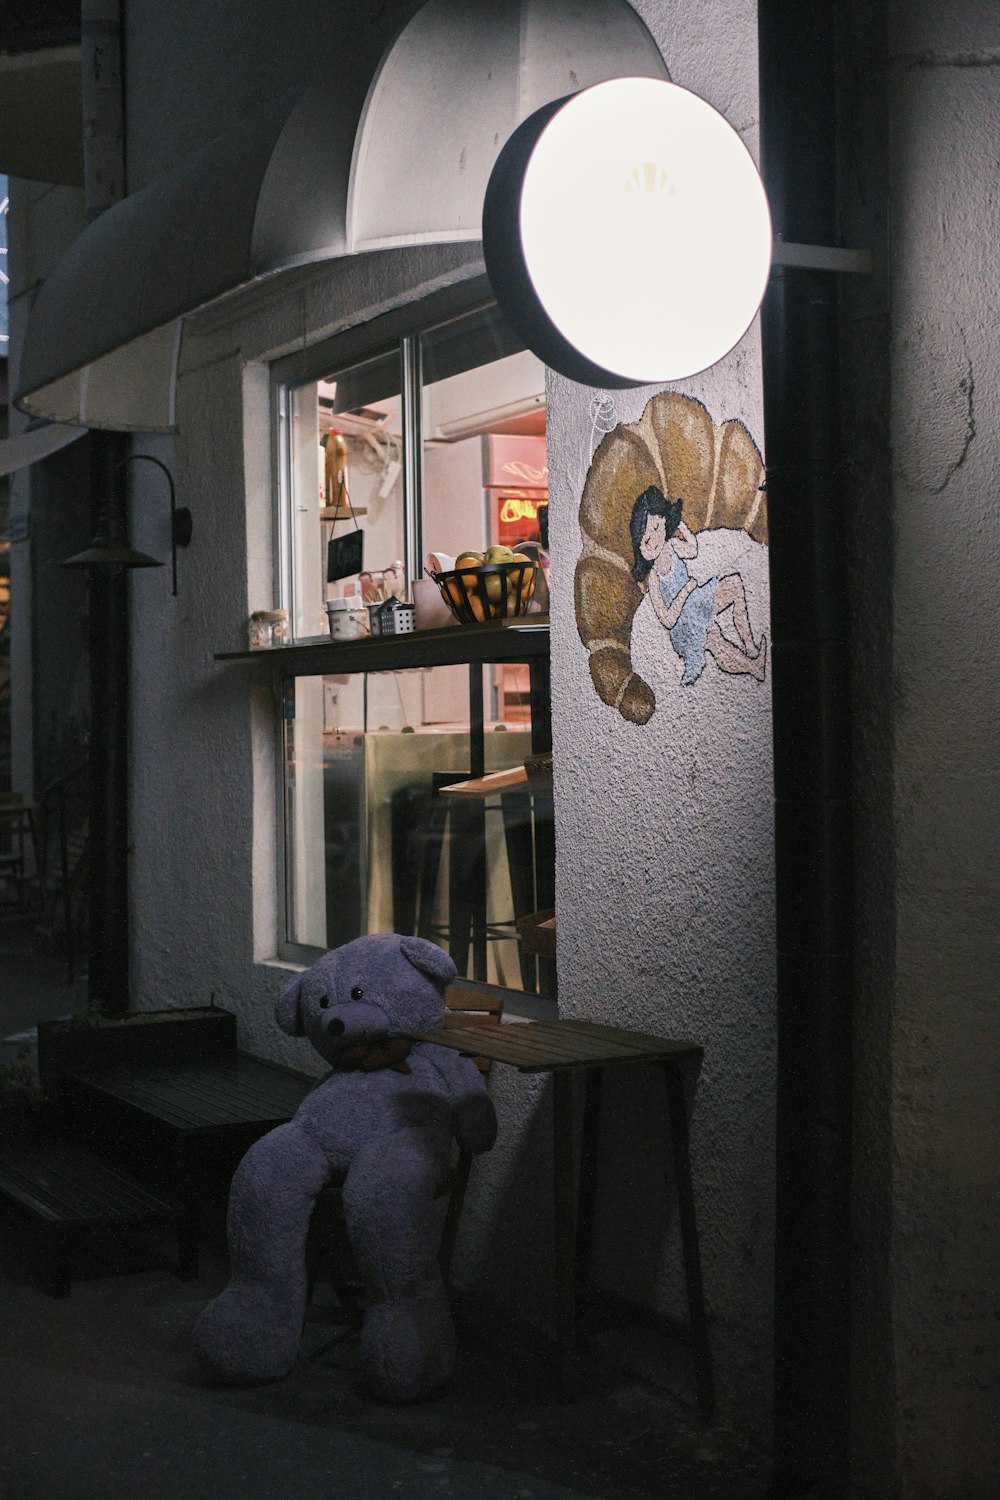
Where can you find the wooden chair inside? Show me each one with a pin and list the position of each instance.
(328, 1254)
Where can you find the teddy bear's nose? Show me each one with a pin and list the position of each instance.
(336, 1027)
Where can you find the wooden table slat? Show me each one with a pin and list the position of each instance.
(537, 1046)
(638, 1040)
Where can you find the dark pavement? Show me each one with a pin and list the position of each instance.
(100, 1398)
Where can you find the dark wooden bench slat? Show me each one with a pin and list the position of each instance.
(232, 1081)
(193, 1096)
(237, 1089)
(63, 1184)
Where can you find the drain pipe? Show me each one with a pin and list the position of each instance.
(812, 760)
(104, 185)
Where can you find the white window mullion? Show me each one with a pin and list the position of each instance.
(413, 457)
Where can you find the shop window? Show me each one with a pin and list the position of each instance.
(397, 458)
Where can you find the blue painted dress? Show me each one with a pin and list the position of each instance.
(688, 634)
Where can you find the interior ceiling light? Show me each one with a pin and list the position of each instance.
(626, 234)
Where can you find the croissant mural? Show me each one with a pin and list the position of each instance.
(677, 463)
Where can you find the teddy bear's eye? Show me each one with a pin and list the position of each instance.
(324, 1002)
(357, 992)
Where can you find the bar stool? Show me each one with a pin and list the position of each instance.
(424, 821)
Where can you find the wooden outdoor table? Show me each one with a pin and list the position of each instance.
(562, 1048)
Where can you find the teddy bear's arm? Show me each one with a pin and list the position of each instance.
(473, 1118)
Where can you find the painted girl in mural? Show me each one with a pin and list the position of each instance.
(690, 611)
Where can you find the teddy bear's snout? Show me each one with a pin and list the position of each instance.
(353, 1022)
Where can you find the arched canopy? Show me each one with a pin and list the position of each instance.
(403, 158)
(454, 86)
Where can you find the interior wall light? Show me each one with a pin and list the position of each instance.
(110, 547)
(626, 234)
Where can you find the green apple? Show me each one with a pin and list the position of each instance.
(498, 555)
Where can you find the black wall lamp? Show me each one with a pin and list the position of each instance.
(110, 547)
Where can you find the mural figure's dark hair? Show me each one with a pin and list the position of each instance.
(652, 502)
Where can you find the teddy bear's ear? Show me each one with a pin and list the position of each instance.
(286, 1011)
(429, 959)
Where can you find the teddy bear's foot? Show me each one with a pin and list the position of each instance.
(245, 1337)
(408, 1347)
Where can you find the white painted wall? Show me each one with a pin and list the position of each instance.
(665, 848)
(664, 873)
(42, 222)
(664, 833)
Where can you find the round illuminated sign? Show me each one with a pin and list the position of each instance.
(626, 233)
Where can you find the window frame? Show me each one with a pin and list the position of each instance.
(400, 330)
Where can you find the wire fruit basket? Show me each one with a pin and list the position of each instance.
(493, 591)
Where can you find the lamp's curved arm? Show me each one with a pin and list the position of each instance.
(180, 516)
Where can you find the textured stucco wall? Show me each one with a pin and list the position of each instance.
(664, 833)
(202, 822)
(665, 881)
(49, 709)
(665, 878)
(945, 103)
(665, 849)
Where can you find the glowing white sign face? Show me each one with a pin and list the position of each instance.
(645, 229)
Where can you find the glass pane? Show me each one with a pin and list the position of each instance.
(375, 844)
(346, 506)
(485, 472)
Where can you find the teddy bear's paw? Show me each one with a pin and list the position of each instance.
(242, 1338)
(408, 1347)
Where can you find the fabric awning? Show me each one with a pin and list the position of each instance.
(33, 444)
(400, 159)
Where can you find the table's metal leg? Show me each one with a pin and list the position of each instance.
(588, 1182)
(565, 1226)
(689, 1239)
(474, 824)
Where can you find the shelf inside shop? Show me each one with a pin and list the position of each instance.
(523, 638)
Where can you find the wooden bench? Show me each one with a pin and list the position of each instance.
(61, 1192)
(184, 1126)
(161, 1104)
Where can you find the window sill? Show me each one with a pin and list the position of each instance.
(520, 639)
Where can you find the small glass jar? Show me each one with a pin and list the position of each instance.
(266, 627)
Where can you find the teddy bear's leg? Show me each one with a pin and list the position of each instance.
(252, 1330)
(407, 1338)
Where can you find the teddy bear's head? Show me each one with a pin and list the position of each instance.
(367, 992)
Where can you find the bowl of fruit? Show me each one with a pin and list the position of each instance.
(491, 585)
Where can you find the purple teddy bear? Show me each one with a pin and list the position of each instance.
(382, 1123)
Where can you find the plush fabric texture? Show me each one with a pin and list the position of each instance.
(381, 1124)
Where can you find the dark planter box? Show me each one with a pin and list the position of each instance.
(144, 1038)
